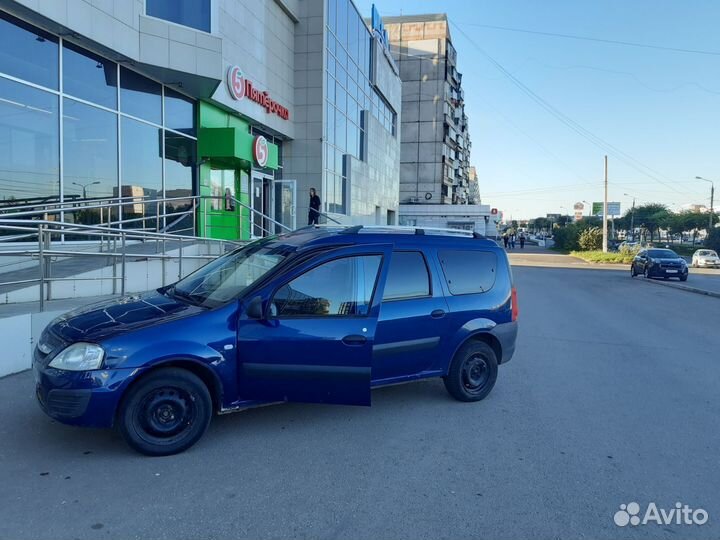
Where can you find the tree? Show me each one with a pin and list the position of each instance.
(713, 239)
(650, 217)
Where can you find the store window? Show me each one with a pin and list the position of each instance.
(180, 170)
(90, 157)
(140, 96)
(28, 53)
(89, 76)
(29, 143)
(153, 157)
(141, 160)
(179, 112)
(192, 13)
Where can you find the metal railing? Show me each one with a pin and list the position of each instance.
(28, 233)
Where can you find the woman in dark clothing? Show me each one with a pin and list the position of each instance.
(314, 211)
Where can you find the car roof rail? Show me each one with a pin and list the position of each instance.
(355, 229)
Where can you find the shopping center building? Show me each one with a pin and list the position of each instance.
(205, 117)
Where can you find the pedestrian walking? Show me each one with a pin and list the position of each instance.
(505, 240)
(512, 241)
(522, 241)
(314, 208)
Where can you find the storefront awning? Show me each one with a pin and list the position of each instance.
(232, 147)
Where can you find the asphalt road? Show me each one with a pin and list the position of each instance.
(611, 398)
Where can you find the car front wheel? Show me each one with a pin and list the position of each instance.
(165, 413)
(646, 273)
(633, 273)
(473, 372)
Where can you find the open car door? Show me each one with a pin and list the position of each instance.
(314, 338)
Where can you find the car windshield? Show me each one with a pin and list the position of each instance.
(662, 254)
(707, 253)
(226, 277)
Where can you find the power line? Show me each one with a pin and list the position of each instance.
(597, 40)
(572, 124)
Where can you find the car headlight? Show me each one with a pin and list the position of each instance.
(79, 357)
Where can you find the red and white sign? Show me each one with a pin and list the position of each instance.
(239, 87)
(494, 211)
(260, 150)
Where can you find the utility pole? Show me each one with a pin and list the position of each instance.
(605, 211)
(632, 220)
(712, 210)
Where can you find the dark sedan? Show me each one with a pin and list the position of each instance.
(664, 263)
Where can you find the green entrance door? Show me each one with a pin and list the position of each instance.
(224, 216)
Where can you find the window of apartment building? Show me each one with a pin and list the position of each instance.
(115, 140)
(192, 13)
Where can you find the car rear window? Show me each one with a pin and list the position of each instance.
(407, 277)
(468, 272)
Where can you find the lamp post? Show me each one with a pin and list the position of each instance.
(712, 197)
(632, 216)
(85, 186)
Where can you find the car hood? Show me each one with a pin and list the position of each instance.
(670, 260)
(113, 317)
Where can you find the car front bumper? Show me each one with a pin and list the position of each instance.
(657, 271)
(81, 398)
(708, 264)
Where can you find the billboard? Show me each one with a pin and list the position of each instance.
(613, 209)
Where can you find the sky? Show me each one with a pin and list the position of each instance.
(656, 112)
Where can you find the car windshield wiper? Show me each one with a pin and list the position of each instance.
(190, 298)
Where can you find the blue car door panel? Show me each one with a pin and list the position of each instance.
(412, 321)
(316, 343)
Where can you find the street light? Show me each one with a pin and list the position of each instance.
(712, 197)
(85, 186)
(632, 215)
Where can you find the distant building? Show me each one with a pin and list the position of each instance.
(473, 187)
(435, 145)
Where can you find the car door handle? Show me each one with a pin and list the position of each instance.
(437, 313)
(354, 339)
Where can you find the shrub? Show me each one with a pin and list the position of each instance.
(600, 257)
(590, 239)
(566, 238)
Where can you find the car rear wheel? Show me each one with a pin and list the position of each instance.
(473, 372)
(165, 413)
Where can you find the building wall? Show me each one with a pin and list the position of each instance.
(435, 145)
(476, 217)
(348, 148)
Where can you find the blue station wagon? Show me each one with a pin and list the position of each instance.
(320, 315)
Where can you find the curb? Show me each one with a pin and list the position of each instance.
(684, 288)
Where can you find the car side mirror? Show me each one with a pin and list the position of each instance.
(254, 308)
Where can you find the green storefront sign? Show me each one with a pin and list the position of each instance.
(227, 152)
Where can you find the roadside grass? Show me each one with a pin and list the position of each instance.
(601, 257)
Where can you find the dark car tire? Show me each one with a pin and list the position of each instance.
(473, 372)
(165, 412)
(684, 277)
(633, 273)
(646, 273)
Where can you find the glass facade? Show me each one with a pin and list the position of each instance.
(122, 133)
(192, 13)
(348, 92)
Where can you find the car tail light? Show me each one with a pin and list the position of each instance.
(514, 304)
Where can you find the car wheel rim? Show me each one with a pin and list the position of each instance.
(475, 373)
(167, 412)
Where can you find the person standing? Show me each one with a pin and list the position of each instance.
(512, 241)
(314, 208)
(505, 240)
(522, 240)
